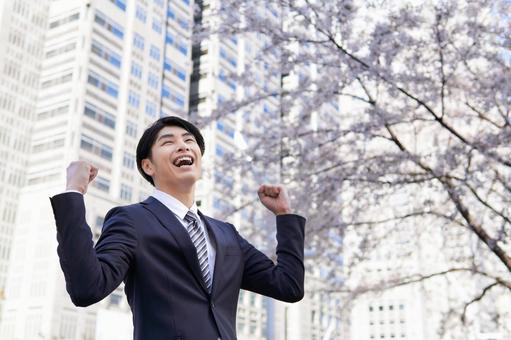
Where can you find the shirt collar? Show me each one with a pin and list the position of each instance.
(173, 204)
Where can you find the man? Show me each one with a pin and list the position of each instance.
(182, 270)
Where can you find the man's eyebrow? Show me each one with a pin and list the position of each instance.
(171, 135)
(167, 135)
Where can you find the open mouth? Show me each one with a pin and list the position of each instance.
(183, 161)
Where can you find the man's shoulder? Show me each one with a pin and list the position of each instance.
(217, 222)
(211, 219)
(133, 209)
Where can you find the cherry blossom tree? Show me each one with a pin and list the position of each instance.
(393, 133)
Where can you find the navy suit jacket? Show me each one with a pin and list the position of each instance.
(145, 246)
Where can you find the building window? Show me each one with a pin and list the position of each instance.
(150, 109)
(180, 46)
(182, 22)
(171, 14)
(131, 129)
(152, 80)
(128, 160)
(53, 112)
(107, 23)
(99, 115)
(106, 54)
(61, 50)
(126, 192)
(185, 24)
(176, 98)
(119, 3)
(219, 150)
(165, 91)
(134, 99)
(102, 184)
(115, 299)
(156, 26)
(159, 3)
(99, 222)
(224, 180)
(66, 78)
(179, 100)
(226, 56)
(169, 39)
(103, 84)
(252, 327)
(167, 65)
(154, 53)
(178, 72)
(102, 150)
(71, 18)
(141, 13)
(68, 324)
(223, 77)
(50, 145)
(225, 128)
(138, 41)
(136, 70)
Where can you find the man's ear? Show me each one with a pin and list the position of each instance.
(147, 166)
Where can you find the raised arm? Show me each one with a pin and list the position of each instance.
(90, 273)
(283, 280)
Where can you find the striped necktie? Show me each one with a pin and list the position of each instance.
(199, 241)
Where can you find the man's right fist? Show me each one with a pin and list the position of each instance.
(79, 175)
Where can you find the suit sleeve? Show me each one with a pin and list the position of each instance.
(283, 280)
(91, 273)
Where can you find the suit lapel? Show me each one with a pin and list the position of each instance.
(176, 229)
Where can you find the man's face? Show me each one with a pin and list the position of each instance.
(175, 158)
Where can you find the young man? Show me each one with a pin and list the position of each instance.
(182, 270)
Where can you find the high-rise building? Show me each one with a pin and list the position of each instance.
(22, 27)
(110, 68)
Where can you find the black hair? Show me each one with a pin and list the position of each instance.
(148, 138)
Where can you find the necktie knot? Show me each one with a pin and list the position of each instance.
(190, 217)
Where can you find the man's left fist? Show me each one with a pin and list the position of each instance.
(274, 197)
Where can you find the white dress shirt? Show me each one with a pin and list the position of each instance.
(180, 210)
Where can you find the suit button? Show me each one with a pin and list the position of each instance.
(212, 305)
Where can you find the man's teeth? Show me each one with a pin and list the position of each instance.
(183, 161)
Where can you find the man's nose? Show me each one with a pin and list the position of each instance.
(183, 146)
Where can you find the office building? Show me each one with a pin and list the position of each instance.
(110, 68)
(22, 27)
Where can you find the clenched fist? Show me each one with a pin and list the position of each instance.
(274, 197)
(79, 175)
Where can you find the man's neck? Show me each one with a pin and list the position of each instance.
(185, 196)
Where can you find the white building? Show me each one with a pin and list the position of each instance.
(110, 68)
(22, 26)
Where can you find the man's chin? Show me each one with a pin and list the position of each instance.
(189, 179)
